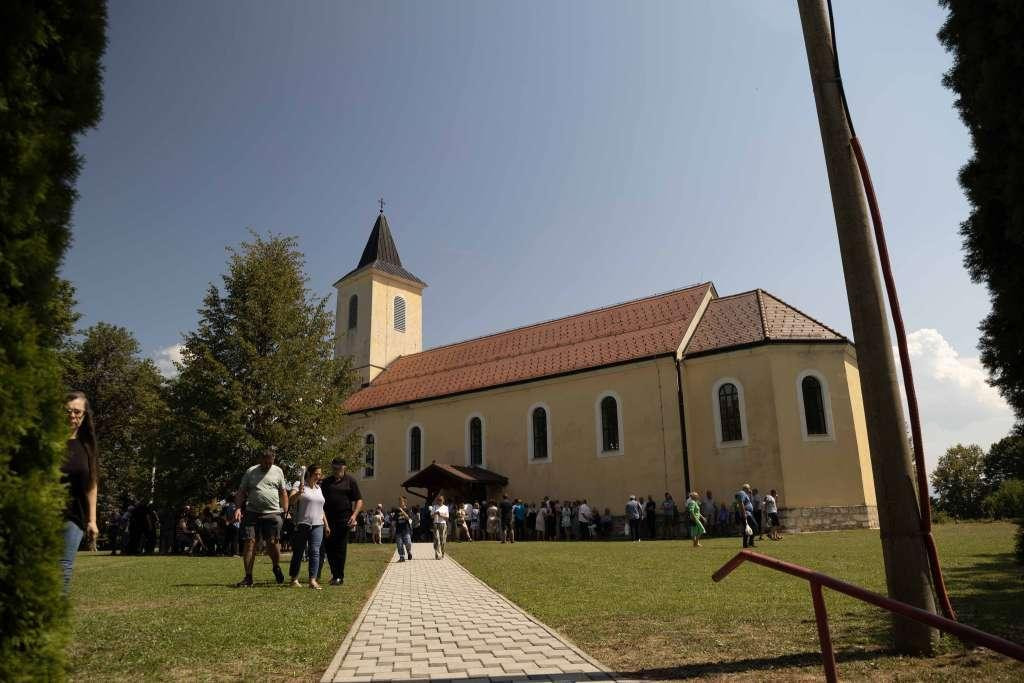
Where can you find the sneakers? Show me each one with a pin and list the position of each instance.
(336, 581)
(244, 583)
(401, 559)
(278, 574)
(295, 583)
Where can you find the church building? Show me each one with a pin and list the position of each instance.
(685, 390)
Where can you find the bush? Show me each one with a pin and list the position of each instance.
(1007, 502)
(49, 93)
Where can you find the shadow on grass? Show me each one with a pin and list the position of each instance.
(256, 584)
(738, 666)
(989, 594)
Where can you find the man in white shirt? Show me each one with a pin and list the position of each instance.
(771, 511)
(583, 518)
(634, 511)
(439, 518)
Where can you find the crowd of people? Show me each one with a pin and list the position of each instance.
(213, 529)
(316, 516)
(509, 520)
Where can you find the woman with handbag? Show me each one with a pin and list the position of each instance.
(310, 525)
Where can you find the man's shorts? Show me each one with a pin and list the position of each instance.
(773, 519)
(265, 526)
(506, 522)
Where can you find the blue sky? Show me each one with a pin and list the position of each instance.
(537, 159)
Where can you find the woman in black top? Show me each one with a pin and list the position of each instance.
(80, 473)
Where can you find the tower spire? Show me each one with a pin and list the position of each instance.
(381, 252)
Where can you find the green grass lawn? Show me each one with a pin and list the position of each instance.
(652, 610)
(180, 618)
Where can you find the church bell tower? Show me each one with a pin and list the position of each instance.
(379, 314)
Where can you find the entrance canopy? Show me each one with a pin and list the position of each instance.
(438, 477)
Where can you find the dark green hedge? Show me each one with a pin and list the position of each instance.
(50, 91)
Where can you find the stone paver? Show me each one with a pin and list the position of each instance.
(430, 620)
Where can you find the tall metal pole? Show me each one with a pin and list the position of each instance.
(903, 550)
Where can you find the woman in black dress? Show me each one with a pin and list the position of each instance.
(80, 473)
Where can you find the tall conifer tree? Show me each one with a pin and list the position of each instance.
(259, 371)
(987, 43)
(50, 92)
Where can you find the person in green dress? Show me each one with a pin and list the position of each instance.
(694, 516)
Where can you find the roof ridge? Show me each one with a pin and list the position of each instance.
(809, 317)
(733, 296)
(760, 311)
(564, 317)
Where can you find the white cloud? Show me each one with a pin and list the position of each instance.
(166, 358)
(956, 402)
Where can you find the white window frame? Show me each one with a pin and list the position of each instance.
(375, 459)
(716, 411)
(599, 426)
(483, 441)
(408, 447)
(826, 401)
(529, 435)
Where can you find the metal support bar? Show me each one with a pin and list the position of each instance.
(824, 637)
(817, 580)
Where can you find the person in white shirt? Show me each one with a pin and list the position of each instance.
(310, 525)
(583, 520)
(439, 518)
(771, 511)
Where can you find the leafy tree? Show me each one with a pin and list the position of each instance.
(125, 394)
(958, 481)
(1007, 502)
(259, 371)
(49, 93)
(988, 59)
(1005, 459)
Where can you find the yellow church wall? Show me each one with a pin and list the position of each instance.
(649, 464)
(808, 472)
(860, 426)
(722, 469)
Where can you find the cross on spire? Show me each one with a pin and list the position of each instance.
(381, 202)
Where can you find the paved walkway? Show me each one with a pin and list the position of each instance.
(432, 620)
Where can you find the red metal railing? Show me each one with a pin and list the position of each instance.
(817, 580)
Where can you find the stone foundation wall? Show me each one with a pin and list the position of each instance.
(795, 520)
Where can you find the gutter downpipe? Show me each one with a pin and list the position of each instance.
(682, 425)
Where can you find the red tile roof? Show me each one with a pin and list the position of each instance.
(606, 336)
(621, 333)
(752, 318)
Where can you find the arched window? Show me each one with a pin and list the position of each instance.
(399, 314)
(476, 442)
(539, 422)
(353, 312)
(368, 459)
(815, 407)
(415, 448)
(729, 412)
(609, 424)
